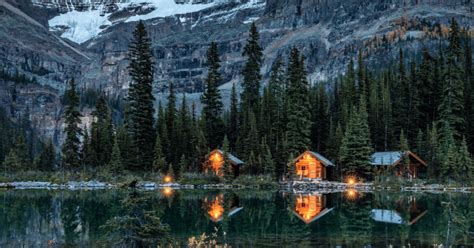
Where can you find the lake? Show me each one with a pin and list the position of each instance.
(104, 218)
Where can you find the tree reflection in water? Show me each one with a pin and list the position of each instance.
(137, 226)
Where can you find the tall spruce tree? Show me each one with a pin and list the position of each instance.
(299, 114)
(101, 138)
(251, 71)
(47, 157)
(72, 118)
(354, 158)
(452, 105)
(233, 125)
(211, 98)
(140, 99)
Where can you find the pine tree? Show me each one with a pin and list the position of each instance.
(251, 72)
(228, 171)
(101, 133)
(404, 148)
(276, 106)
(71, 146)
(452, 105)
(159, 161)
(299, 114)
(183, 165)
(169, 134)
(211, 99)
(47, 157)
(140, 99)
(268, 162)
(447, 152)
(320, 118)
(115, 164)
(356, 148)
(12, 162)
(464, 160)
(233, 126)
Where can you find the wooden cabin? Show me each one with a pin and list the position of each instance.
(311, 165)
(215, 162)
(394, 160)
(309, 208)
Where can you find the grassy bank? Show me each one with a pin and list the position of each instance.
(125, 178)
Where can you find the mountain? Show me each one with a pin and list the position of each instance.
(52, 40)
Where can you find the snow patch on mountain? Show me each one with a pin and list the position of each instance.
(81, 26)
(168, 8)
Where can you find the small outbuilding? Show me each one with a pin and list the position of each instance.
(215, 163)
(311, 165)
(403, 163)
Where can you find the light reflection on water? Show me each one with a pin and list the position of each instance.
(41, 218)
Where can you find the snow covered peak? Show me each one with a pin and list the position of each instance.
(85, 19)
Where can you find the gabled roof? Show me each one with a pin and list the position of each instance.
(392, 158)
(393, 217)
(315, 155)
(318, 216)
(233, 159)
(387, 216)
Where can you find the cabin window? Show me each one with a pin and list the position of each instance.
(303, 167)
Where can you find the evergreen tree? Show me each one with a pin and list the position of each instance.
(159, 161)
(268, 162)
(12, 162)
(404, 148)
(47, 157)
(356, 148)
(251, 72)
(71, 146)
(465, 163)
(228, 171)
(115, 163)
(320, 118)
(169, 134)
(299, 114)
(183, 165)
(233, 126)
(211, 99)
(140, 99)
(101, 140)
(452, 105)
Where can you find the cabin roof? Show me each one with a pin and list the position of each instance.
(318, 216)
(393, 217)
(233, 159)
(316, 155)
(392, 158)
(387, 216)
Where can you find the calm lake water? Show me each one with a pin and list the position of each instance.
(42, 218)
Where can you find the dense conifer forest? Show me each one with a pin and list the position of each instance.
(420, 103)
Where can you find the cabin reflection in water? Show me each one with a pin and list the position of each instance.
(403, 214)
(309, 208)
(215, 207)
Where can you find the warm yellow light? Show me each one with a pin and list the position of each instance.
(167, 191)
(168, 179)
(351, 194)
(351, 180)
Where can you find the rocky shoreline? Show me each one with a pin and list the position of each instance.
(290, 186)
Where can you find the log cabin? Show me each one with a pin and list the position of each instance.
(311, 165)
(215, 162)
(394, 160)
(309, 208)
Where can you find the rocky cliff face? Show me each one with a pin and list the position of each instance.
(95, 35)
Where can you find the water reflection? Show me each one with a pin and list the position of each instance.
(402, 214)
(36, 218)
(215, 207)
(310, 207)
